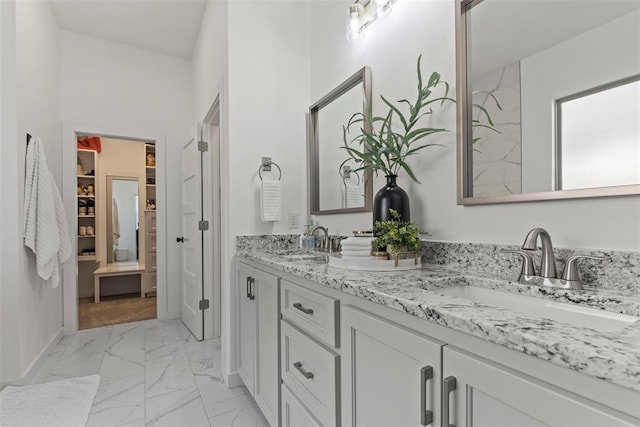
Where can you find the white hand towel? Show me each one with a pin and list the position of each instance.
(45, 224)
(354, 195)
(270, 200)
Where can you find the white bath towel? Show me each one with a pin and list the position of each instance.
(45, 224)
(270, 200)
(354, 195)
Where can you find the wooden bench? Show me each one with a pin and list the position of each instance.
(124, 269)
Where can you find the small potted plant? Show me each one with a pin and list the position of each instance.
(396, 235)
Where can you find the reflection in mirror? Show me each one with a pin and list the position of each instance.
(122, 219)
(519, 62)
(596, 130)
(334, 186)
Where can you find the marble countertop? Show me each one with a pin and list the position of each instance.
(611, 356)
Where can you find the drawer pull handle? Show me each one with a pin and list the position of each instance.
(298, 366)
(449, 385)
(252, 282)
(426, 415)
(299, 306)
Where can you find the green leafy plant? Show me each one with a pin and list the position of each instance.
(397, 234)
(386, 149)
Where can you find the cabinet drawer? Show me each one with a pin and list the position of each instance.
(150, 243)
(310, 370)
(294, 414)
(151, 262)
(313, 312)
(150, 222)
(151, 282)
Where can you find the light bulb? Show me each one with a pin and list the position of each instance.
(354, 24)
(355, 10)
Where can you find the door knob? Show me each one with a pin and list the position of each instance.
(180, 239)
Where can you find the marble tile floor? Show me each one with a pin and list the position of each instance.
(152, 373)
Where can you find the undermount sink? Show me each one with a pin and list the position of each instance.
(305, 257)
(599, 320)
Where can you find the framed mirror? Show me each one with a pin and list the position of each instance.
(548, 99)
(123, 219)
(334, 186)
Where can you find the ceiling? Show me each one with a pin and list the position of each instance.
(165, 26)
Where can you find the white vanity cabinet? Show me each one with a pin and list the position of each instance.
(479, 393)
(258, 341)
(390, 374)
(310, 356)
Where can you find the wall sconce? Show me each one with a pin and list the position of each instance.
(363, 13)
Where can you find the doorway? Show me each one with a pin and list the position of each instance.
(115, 278)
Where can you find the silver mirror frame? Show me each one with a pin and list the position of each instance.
(464, 149)
(361, 76)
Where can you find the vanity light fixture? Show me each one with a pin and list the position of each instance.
(363, 13)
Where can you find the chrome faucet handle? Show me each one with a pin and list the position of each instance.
(528, 269)
(571, 269)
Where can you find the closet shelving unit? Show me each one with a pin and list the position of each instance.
(149, 284)
(86, 177)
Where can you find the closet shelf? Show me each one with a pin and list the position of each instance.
(87, 258)
(86, 216)
(86, 176)
(82, 196)
(86, 237)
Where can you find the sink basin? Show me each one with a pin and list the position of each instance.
(599, 320)
(304, 257)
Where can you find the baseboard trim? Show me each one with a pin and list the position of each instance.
(168, 315)
(37, 362)
(233, 380)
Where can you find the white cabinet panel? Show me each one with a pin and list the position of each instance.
(487, 394)
(390, 374)
(258, 341)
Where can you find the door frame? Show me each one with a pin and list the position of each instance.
(70, 269)
(212, 190)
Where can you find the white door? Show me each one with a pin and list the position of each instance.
(192, 237)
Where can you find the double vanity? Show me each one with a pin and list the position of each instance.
(458, 342)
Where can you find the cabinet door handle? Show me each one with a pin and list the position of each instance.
(308, 375)
(426, 415)
(248, 291)
(299, 306)
(252, 296)
(449, 385)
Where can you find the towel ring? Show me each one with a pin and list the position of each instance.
(269, 164)
(346, 174)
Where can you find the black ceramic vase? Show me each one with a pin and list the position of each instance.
(391, 197)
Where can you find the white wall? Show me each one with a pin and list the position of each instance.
(209, 79)
(31, 309)
(108, 85)
(9, 223)
(265, 93)
(391, 48)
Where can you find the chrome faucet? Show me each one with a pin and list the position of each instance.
(325, 242)
(548, 275)
(548, 265)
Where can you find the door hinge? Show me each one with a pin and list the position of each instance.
(203, 304)
(203, 146)
(203, 225)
